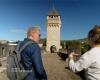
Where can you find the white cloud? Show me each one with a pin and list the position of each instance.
(17, 31)
(44, 33)
(23, 31)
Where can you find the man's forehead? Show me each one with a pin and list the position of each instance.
(37, 31)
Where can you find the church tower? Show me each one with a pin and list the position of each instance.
(53, 25)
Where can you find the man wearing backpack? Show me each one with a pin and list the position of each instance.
(31, 56)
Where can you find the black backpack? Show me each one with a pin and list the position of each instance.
(15, 69)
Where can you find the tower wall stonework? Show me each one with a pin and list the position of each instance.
(53, 32)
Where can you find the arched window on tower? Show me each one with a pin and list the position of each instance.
(51, 16)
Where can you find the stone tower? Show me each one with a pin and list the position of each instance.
(53, 25)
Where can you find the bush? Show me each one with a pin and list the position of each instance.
(85, 47)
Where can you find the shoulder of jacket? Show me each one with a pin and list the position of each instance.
(34, 44)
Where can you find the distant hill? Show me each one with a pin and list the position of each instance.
(42, 40)
(81, 40)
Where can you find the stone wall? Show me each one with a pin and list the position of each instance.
(5, 49)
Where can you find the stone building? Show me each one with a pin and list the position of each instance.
(3, 48)
(6, 47)
(53, 25)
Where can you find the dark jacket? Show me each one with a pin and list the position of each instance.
(31, 59)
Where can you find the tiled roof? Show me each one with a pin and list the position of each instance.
(53, 12)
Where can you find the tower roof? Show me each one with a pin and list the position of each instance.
(53, 12)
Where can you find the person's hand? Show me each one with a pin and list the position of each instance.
(72, 54)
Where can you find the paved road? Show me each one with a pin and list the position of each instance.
(55, 68)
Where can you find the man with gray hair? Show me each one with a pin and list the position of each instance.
(31, 56)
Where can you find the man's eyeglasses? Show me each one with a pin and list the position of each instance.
(39, 35)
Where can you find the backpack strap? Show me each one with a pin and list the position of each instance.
(18, 46)
(25, 45)
(18, 51)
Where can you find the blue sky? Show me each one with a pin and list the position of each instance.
(78, 17)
